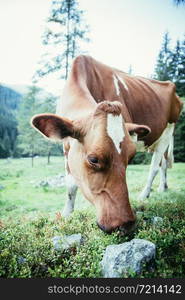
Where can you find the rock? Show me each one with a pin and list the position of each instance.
(21, 260)
(57, 181)
(121, 259)
(66, 242)
(1, 187)
(11, 207)
(8, 160)
(53, 182)
(43, 183)
(157, 221)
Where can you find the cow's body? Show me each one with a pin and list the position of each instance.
(96, 158)
(144, 101)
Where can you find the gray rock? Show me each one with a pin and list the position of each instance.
(53, 182)
(65, 242)
(1, 187)
(43, 183)
(8, 160)
(157, 221)
(21, 260)
(121, 259)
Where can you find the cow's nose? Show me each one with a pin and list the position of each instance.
(126, 228)
(105, 228)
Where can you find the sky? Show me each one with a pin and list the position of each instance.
(123, 33)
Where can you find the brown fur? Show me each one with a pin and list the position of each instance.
(89, 96)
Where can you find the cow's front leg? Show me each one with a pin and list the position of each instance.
(71, 192)
(71, 187)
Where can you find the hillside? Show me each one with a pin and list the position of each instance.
(11, 96)
(9, 103)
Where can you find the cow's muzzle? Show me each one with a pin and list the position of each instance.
(126, 228)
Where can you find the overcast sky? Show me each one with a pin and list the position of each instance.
(123, 33)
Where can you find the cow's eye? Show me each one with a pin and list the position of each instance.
(93, 160)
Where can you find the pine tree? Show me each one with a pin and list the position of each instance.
(64, 34)
(163, 66)
(130, 70)
(175, 62)
(178, 2)
(180, 72)
(29, 140)
(9, 103)
(179, 141)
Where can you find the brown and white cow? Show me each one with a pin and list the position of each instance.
(104, 117)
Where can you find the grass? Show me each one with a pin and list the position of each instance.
(30, 217)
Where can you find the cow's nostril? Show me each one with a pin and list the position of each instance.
(125, 228)
(105, 229)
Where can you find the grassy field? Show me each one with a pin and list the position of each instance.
(30, 217)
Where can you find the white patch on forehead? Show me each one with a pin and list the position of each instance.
(123, 82)
(116, 85)
(115, 130)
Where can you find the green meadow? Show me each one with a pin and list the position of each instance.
(30, 216)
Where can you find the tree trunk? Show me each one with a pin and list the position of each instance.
(32, 157)
(49, 155)
(74, 43)
(68, 37)
(32, 160)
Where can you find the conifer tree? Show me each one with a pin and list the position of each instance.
(180, 79)
(65, 32)
(9, 102)
(163, 66)
(178, 2)
(29, 140)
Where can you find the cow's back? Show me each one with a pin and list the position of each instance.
(145, 101)
(152, 103)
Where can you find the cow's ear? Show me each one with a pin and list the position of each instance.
(140, 130)
(54, 127)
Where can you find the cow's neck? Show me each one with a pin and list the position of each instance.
(76, 100)
(85, 88)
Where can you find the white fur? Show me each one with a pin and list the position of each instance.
(163, 172)
(70, 182)
(115, 130)
(165, 138)
(140, 146)
(159, 148)
(123, 82)
(72, 190)
(170, 159)
(116, 85)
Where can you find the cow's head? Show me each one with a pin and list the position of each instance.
(99, 149)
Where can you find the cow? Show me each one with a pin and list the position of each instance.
(103, 118)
